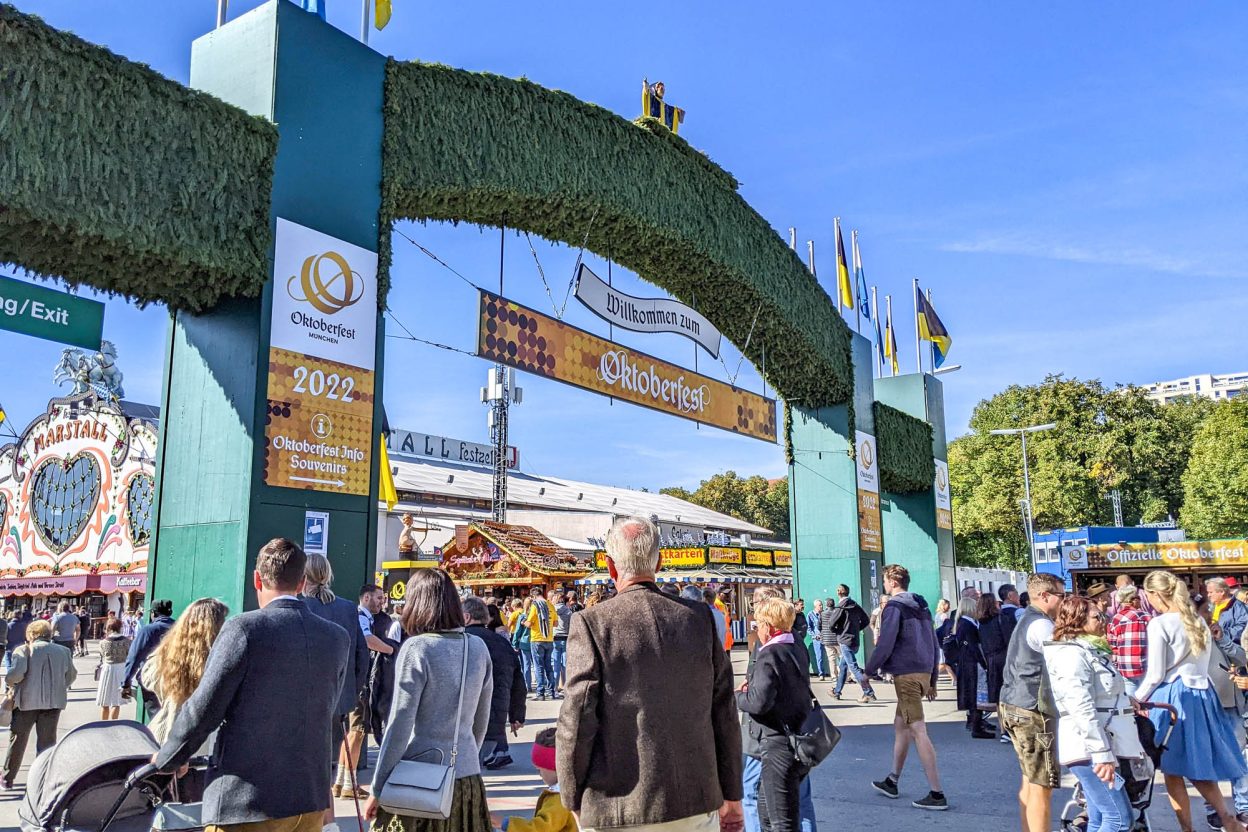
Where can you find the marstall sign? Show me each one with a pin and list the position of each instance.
(527, 340)
(1188, 554)
(644, 314)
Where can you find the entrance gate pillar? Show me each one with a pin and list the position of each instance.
(915, 534)
(324, 92)
(823, 495)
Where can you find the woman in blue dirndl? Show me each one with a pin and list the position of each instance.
(1202, 747)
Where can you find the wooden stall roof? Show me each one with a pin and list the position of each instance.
(523, 549)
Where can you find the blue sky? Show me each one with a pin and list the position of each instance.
(1069, 180)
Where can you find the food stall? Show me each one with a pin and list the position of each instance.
(1193, 560)
(505, 560)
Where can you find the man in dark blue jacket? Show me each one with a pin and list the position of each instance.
(270, 689)
(145, 643)
(906, 648)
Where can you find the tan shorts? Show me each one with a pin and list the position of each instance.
(357, 722)
(1034, 742)
(311, 822)
(911, 690)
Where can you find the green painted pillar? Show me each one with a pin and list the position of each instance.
(823, 493)
(912, 535)
(213, 510)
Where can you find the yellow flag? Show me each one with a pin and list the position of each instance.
(845, 290)
(381, 13)
(385, 486)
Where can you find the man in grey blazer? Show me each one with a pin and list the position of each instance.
(648, 733)
(271, 686)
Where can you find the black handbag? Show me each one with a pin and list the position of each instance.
(817, 738)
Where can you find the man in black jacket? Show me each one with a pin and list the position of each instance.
(271, 688)
(507, 707)
(847, 621)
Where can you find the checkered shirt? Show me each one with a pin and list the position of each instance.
(1128, 636)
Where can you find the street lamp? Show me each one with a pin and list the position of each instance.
(1027, 527)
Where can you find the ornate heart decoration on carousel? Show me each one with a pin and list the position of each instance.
(139, 496)
(63, 495)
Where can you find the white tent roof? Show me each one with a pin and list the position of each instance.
(434, 476)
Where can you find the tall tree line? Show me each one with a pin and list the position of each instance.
(753, 499)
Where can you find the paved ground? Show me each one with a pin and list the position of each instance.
(981, 776)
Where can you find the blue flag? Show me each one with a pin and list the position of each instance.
(864, 302)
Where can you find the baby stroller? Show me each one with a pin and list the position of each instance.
(1137, 776)
(99, 777)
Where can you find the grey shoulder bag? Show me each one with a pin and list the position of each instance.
(426, 790)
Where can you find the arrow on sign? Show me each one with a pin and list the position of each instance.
(338, 483)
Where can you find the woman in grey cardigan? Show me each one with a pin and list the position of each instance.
(426, 695)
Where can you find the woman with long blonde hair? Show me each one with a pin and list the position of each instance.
(1202, 747)
(174, 671)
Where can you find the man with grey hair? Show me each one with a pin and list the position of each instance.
(663, 746)
(507, 707)
(1228, 613)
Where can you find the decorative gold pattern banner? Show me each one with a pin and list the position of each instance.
(318, 433)
(527, 340)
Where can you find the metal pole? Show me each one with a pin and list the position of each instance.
(810, 252)
(932, 348)
(364, 15)
(1027, 496)
(918, 343)
(222, 10)
(875, 316)
(857, 300)
(793, 237)
(889, 332)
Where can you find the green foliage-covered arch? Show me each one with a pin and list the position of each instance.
(491, 150)
(905, 449)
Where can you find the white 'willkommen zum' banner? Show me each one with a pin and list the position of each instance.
(644, 314)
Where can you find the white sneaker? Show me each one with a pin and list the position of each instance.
(330, 827)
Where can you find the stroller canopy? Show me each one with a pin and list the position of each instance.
(79, 753)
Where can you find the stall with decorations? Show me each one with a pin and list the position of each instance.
(1193, 560)
(76, 495)
(507, 560)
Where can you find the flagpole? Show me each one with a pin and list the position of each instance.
(857, 267)
(875, 316)
(222, 10)
(810, 252)
(793, 237)
(364, 22)
(836, 236)
(890, 333)
(933, 347)
(918, 342)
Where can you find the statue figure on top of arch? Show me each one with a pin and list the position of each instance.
(96, 372)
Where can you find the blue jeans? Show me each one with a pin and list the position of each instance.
(849, 664)
(751, 779)
(542, 651)
(1108, 809)
(818, 659)
(559, 660)
(526, 665)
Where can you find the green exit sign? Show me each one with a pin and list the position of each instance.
(47, 313)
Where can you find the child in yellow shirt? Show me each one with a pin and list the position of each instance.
(550, 816)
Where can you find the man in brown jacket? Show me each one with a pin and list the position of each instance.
(648, 733)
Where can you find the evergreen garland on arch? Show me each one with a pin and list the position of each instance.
(489, 150)
(114, 176)
(905, 450)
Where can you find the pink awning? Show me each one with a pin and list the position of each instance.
(73, 584)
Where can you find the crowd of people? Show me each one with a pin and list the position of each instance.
(648, 694)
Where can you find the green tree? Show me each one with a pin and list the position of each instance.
(1106, 439)
(1215, 484)
(754, 500)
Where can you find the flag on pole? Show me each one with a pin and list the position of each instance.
(845, 291)
(890, 343)
(386, 491)
(879, 341)
(381, 14)
(860, 282)
(931, 328)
